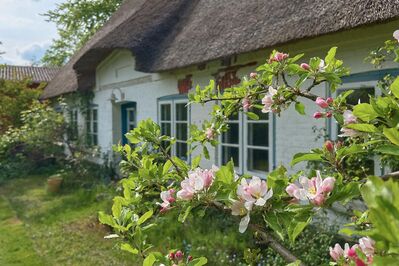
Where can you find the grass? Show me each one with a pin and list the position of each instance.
(41, 229)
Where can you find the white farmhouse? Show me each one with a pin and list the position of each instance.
(143, 62)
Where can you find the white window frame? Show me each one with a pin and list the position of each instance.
(354, 86)
(90, 127)
(173, 122)
(243, 145)
(74, 122)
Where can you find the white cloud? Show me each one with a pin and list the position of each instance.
(23, 31)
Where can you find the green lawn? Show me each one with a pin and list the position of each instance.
(41, 229)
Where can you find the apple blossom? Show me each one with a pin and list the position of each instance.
(321, 102)
(268, 101)
(349, 117)
(171, 256)
(322, 66)
(278, 57)
(329, 114)
(366, 244)
(167, 198)
(305, 66)
(329, 100)
(197, 181)
(396, 35)
(254, 192)
(337, 252)
(253, 75)
(317, 115)
(179, 255)
(210, 133)
(329, 145)
(246, 104)
(348, 132)
(314, 190)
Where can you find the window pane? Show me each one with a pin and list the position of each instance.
(131, 116)
(95, 139)
(165, 129)
(258, 134)
(165, 112)
(229, 153)
(262, 116)
(95, 127)
(181, 150)
(258, 160)
(181, 112)
(181, 131)
(95, 114)
(233, 117)
(131, 126)
(361, 94)
(232, 134)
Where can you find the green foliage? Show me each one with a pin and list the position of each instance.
(15, 97)
(76, 21)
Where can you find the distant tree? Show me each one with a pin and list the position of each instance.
(77, 21)
(15, 97)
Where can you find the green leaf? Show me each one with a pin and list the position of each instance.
(392, 134)
(295, 263)
(363, 127)
(395, 87)
(296, 228)
(365, 112)
(106, 219)
(252, 116)
(205, 152)
(196, 161)
(300, 108)
(225, 174)
(198, 262)
(273, 222)
(300, 157)
(183, 215)
(330, 55)
(117, 207)
(150, 260)
(166, 167)
(388, 149)
(127, 247)
(145, 217)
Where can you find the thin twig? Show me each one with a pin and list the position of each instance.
(393, 174)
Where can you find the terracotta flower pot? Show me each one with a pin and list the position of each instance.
(54, 183)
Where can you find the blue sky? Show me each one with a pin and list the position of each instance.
(24, 33)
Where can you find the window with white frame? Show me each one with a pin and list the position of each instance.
(247, 143)
(131, 118)
(73, 124)
(361, 94)
(174, 122)
(92, 126)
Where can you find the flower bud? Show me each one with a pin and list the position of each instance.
(352, 252)
(321, 102)
(329, 145)
(179, 255)
(190, 258)
(318, 115)
(253, 75)
(329, 114)
(329, 100)
(171, 256)
(305, 66)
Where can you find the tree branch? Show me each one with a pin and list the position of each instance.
(393, 174)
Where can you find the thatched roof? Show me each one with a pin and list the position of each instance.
(35, 74)
(165, 35)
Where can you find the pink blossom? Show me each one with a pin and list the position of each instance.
(278, 57)
(210, 133)
(329, 114)
(317, 115)
(253, 75)
(337, 252)
(167, 198)
(321, 102)
(329, 100)
(246, 104)
(254, 192)
(349, 117)
(305, 66)
(348, 132)
(396, 35)
(366, 244)
(197, 181)
(179, 255)
(238, 208)
(329, 145)
(314, 190)
(268, 101)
